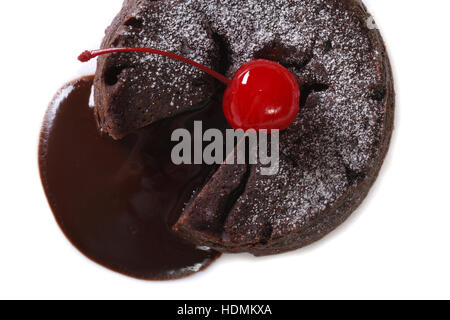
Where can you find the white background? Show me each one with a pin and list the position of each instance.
(395, 246)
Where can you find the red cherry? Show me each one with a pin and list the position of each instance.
(262, 95)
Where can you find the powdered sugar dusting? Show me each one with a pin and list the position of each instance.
(334, 140)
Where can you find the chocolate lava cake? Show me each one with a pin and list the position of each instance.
(329, 157)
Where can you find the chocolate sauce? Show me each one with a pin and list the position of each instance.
(117, 200)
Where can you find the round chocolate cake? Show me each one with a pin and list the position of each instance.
(329, 157)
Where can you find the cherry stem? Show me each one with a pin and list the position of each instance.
(88, 55)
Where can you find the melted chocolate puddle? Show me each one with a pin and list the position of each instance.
(116, 200)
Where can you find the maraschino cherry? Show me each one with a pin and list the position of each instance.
(263, 95)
